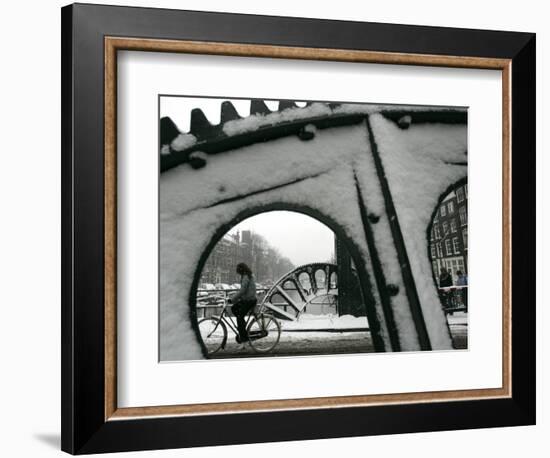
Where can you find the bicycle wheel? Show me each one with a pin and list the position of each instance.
(264, 332)
(213, 333)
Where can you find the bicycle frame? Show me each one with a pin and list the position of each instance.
(223, 316)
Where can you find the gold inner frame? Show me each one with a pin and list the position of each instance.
(114, 44)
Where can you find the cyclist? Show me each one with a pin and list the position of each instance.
(243, 300)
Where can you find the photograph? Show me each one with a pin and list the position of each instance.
(267, 222)
(275, 229)
(301, 228)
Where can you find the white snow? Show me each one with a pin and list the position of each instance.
(316, 322)
(183, 141)
(407, 119)
(374, 201)
(458, 319)
(372, 108)
(449, 196)
(256, 167)
(253, 122)
(198, 155)
(310, 128)
(414, 162)
(301, 338)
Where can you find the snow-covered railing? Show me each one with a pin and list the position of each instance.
(225, 290)
(454, 298)
(217, 297)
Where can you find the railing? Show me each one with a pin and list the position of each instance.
(454, 298)
(210, 301)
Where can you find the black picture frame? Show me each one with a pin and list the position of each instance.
(85, 428)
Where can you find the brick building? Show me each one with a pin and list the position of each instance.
(220, 266)
(250, 248)
(449, 233)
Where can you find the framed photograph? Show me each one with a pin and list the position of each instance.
(270, 222)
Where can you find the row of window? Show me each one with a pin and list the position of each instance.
(445, 226)
(461, 193)
(452, 265)
(449, 206)
(463, 215)
(452, 246)
(451, 225)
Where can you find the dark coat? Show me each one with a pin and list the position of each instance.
(445, 279)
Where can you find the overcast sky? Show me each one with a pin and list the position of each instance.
(300, 238)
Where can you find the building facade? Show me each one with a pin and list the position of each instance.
(245, 246)
(449, 234)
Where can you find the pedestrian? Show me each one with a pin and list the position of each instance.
(461, 278)
(445, 279)
(243, 300)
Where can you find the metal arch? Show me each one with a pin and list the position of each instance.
(314, 293)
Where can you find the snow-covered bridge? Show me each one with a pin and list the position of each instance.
(372, 173)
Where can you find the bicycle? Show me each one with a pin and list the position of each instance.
(264, 331)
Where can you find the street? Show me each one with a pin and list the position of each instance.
(302, 343)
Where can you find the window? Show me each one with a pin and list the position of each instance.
(436, 232)
(456, 246)
(453, 225)
(465, 238)
(460, 194)
(448, 248)
(443, 210)
(451, 207)
(445, 228)
(454, 265)
(439, 251)
(432, 249)
(463, 215)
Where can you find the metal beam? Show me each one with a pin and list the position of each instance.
(379, 276)
(399, 242)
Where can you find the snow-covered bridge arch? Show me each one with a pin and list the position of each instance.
(375, 172)
(369, 303)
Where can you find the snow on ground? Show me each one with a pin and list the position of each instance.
(458, 319)
(315, 322)
(328, 337)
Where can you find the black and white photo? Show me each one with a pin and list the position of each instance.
(311, 228)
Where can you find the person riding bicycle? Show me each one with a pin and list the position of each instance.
(243, 300)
